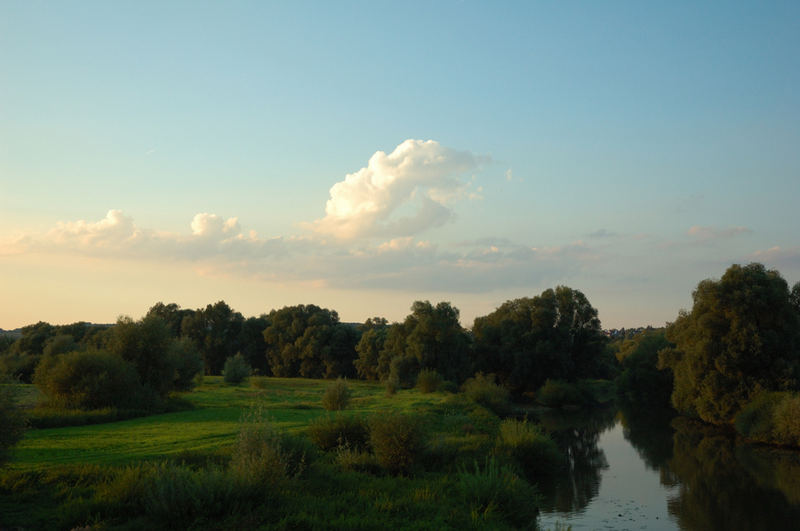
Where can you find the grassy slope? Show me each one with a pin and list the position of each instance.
(291, 404)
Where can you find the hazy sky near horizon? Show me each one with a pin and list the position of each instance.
(363, 155)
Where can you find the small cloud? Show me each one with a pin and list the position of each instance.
(509, 175)
(712, 233)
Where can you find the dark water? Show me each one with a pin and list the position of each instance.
(639, 470)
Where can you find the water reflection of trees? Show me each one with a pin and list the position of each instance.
(725, 485)
(577, 435)
(650, 433)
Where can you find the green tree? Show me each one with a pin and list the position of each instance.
(216, 330)
(373, 338)
(741, 338)
(309, 341)
(641, 380)
(430, 337)
(555, 335)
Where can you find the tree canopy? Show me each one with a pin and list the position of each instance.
(554, 335)
(742, 337)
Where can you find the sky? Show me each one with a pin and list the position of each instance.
(363, 155)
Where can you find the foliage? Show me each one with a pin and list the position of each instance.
(558, 393)
(12, 419)
(772, 418)
(531, 448)
(236, 369)
(264, 455)
(373, 338)
(483, 390)
(495, 492)
(396, 440)
(641, 381)
(146, 344)
(309, 341)
(741, 338)
(19, 366)
(339, 430)
(88, 380)
(403, 371)
(554, 335)
(336, 396)
(187, 362)
(431, 337)
(217, 331)
(429, 381)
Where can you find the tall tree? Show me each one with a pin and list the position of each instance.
(309, 341)
(554, 335)
(741, 337)
(216, 330)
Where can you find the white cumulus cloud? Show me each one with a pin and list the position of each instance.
(399, 194)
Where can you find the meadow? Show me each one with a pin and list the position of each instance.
(453, 472)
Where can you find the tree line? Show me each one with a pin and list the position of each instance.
(524, 342)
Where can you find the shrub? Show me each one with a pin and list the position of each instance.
(19, 366)
(358, 460)
(236, 369)
(494, 491)
(429, 381)
(339, 430)
(392, 386)
(396, 440)
(756, 420)
(88, 380)
(264, 455)
(336, 396)
(772, 418)
(532, 449)
(483, 390)
(11, 419)
(558, 393)
(787, 421)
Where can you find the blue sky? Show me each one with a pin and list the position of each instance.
(188, 151)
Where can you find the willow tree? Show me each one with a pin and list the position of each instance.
(742, 337)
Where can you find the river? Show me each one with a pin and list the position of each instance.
(633, 470)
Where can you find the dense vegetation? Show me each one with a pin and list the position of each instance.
(733, 360)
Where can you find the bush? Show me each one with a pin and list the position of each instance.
(263, 455)
(12, 419)
(558, 393)
(429, 381)
(787, 421)
(482, 390)
(336, 396)
(339, 430)
(236, 369)
(772, 418)
(357, 460)
(89, 380)
(756, 420)
(532, 449)
(494, 491)
(396, 440)
(19, 366)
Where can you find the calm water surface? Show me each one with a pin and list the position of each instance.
(634, 471)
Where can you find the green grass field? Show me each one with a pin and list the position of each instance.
(60, 478)
(290, 403)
